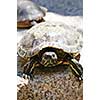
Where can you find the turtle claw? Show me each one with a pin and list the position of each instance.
(81, 77)
(25, 76)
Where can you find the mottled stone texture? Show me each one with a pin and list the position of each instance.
(50, 84)
(63, 7)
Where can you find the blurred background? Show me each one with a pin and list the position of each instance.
(63, 7)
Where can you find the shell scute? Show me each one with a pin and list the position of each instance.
(54, 34)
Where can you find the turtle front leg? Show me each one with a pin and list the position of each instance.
(28, 68)
(76, 68)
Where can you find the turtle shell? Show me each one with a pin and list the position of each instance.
(50, 34)
(28, 11)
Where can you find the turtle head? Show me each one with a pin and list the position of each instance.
(49, 59)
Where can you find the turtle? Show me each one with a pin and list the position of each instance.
(29, 13)
(51, 44)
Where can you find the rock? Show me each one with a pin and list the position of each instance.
(50, 84)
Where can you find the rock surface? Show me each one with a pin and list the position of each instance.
(50, 84)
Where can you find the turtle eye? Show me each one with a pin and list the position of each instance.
(54, 56)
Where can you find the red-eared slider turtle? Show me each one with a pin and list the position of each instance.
(51, 44)
(29, 13)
